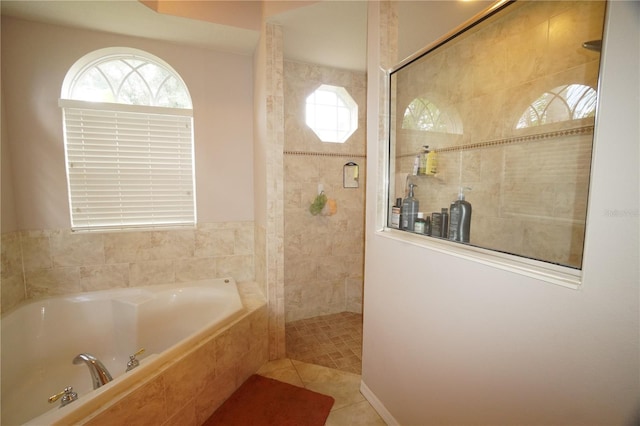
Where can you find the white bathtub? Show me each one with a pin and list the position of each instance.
(41, 338)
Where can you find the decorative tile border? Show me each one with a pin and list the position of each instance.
(325, 154)
(514, 140)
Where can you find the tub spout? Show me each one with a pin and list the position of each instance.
(99, 373)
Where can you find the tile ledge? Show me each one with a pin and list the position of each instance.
(251, 295)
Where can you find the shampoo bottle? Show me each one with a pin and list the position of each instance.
(444, 223)
(419, 226)
(436, 224)
(409, 210)
(460, 218)
(395, 214)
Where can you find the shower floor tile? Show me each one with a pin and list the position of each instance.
(333, 341)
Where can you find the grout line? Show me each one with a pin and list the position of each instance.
(298, 373)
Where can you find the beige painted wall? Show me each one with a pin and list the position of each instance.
(35, 59)
(448, 340)
(324, 255)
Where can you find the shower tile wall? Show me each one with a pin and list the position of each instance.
(59, 262)
(324, 255)
(268, 149)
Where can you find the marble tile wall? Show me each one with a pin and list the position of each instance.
(324, 255)
(274, 230)
(530, 185)
(260, 255)
(59, 261)
(12, 276)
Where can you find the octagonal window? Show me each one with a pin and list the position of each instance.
(332, 113)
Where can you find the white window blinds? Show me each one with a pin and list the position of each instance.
(129, 166)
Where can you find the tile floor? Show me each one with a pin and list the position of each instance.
(333, 341)
(350, 407)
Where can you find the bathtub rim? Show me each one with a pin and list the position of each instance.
(152, 287)
(150, 367)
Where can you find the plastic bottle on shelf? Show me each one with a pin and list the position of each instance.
(444, 222)
(431, 164)
(419, 226)
(436, 221)
(409, 210)
(396, 214)
(460, 218)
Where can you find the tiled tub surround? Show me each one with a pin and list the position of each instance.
(12, 274)
(56, 262)
(188, 389)
(529, 185)
(323, 255)
(45, 335)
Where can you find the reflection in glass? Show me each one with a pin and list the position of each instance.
(424, 115)
(508, 106)
(564, 103)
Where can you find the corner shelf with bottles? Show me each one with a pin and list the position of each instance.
(452, 223)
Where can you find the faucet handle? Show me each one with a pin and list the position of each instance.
(133, 362)
(67, 395)
(138, 352)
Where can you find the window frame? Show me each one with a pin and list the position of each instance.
(147, 176)
(342, 95)
(554, 273)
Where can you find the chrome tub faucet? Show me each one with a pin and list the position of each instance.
(99, 373)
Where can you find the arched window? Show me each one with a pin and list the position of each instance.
(422, 114)
(563, 103)
(128, 134)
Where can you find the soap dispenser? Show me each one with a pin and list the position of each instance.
(460, 218)
(409, 210)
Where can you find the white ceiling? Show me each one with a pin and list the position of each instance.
(331, 33)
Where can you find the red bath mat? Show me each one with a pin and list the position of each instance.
(261, 401)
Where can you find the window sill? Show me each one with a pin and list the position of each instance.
(547, 272)
(141, 228)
